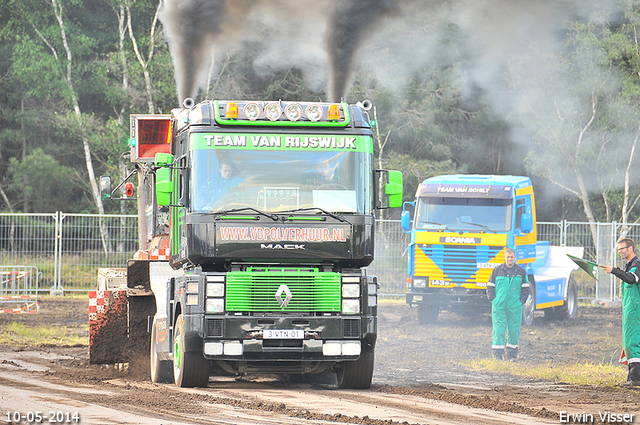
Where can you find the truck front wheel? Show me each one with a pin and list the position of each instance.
(428, 313)
(161, 370)
(357, 375)
(190, 368)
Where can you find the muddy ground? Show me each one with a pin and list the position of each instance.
(426, 361)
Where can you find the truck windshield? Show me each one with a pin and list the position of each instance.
(468, 214)
(281, 180)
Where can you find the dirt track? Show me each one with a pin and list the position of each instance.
(420, 377)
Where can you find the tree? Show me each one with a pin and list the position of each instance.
(40, 181)
(584, 129)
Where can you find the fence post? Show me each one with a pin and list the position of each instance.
(56, 289)
(614, 250)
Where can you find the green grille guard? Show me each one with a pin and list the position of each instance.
(289, 289)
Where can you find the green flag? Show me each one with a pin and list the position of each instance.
(586, 265)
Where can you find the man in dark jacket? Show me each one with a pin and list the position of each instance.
(508, 290)
(630, 290)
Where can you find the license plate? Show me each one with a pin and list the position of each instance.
(283, 334)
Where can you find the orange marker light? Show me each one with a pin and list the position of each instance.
(232, 110)
(334, 112)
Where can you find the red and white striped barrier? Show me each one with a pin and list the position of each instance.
(27, 308)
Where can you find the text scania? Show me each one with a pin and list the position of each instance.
(459, 239)
(282, 234)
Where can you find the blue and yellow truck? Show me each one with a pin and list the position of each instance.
(461, 227)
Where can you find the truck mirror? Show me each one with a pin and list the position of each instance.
(526, 223)
(105, 187)
(393, 189)
(164, 186)
(405, 220)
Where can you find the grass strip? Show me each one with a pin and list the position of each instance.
(607, 374)
(20, 335)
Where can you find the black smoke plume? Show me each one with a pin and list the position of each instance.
(191, 27)
(350, 22)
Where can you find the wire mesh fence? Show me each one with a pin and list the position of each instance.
(18, 289)
(390, 263)
(68, 249)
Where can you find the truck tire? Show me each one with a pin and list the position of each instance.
(569, 309)
(357, 375)
(428, 314)
(190, 368)
(530, 306)
(161, 370)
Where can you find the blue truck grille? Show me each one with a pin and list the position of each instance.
(459, 262)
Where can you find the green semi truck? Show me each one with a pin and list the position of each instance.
(256, 226)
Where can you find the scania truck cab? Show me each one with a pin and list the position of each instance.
(461, 227)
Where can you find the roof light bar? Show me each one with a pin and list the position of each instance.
(279, 113)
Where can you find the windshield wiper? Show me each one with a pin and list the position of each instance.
(271, 216)
(479, 225)
(444, 226)
(332, 215)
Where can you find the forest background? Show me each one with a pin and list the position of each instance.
(550, 89)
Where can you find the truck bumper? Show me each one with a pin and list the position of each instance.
(241, 338)
(456, 298)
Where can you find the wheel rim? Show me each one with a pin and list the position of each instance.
(571, 302)
(528, 310)
(154, 354)
(177, 350)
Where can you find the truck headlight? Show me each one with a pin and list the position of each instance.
(350, 306)
(420, 282)
(215, 289)
(215, 294)
(214, 305)
(273, 111)
(351, 290)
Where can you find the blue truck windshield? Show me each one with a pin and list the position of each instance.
(467, 214)
(283, 180)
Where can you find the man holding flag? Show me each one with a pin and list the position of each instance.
(630, 277)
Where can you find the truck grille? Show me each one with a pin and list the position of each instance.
(351, 328)
(311, 291)
(215, 328)
(459, 263)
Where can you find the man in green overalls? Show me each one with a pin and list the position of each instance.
(508, 290)
(630, 289)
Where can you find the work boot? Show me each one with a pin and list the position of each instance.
(498, 353)
(629, 384)
(512, 354)
(634, 372)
